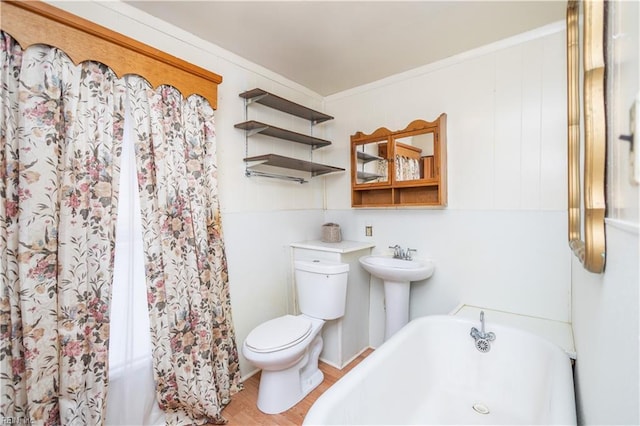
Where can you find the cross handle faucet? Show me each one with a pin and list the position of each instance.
(481, 334)
(400, 253)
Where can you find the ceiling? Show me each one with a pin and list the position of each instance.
(331, 46)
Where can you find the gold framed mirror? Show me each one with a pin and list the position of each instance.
(586, 222)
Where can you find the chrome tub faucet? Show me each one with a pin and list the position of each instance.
(482, 338)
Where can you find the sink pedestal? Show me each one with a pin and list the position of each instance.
(397, 275)
(396, 306)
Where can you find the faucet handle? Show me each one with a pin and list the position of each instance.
(408, 253)
(397, 250)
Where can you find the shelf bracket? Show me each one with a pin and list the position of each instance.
(256, 98)
(256, 130)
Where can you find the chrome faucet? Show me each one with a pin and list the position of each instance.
(397, 251)
(481, 337)
(400, 253)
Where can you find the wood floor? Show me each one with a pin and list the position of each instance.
(242, 411)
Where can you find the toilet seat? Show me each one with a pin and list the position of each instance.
(278, 334)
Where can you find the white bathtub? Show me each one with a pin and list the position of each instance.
(430, 372)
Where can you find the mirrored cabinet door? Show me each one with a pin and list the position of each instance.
(372, 163)
(414, 157)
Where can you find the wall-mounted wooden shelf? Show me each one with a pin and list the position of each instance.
(253, 127)
(276, 102)
(274, 160)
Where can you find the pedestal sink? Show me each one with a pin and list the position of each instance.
(397, 275)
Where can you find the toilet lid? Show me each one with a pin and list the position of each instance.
(279, 333)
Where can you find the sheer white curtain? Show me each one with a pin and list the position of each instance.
(131, 398)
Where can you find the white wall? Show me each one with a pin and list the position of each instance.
(605, 306)
(501, 243)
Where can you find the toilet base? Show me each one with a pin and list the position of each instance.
(281, 390)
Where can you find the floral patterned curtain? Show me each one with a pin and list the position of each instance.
(61, 132)
(61, 129)
(196, 364)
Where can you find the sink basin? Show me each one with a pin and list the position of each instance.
(397, 270)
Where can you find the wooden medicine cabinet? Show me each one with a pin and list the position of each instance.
(401, 168)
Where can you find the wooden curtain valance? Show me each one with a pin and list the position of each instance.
(34, 22)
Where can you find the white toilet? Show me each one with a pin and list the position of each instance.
(287, 348)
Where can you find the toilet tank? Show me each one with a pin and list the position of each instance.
(321, 287)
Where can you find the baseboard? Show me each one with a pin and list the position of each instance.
(247, 376)
(353, 358)
(349, 361)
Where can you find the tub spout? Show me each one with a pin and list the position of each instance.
(482, 338)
